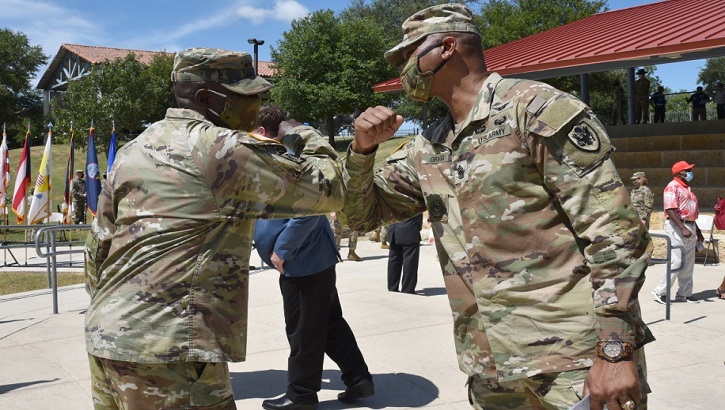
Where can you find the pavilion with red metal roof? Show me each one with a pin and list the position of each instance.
(659, 33)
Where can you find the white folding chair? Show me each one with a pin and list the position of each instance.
(706, 223)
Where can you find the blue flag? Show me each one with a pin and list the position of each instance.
(93, 177)
(111, 153)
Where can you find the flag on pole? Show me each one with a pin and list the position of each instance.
(22, 181)
(66, 209)
(40, 207)
(111, 153)
(93, 179)
(4, 173)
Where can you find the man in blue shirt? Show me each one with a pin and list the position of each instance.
(304, 252)
(699, 99)
(659, 103)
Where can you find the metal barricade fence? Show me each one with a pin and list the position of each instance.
(46, 246)
(667, 260)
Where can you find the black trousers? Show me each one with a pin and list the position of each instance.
(315, 326)
(403, 258)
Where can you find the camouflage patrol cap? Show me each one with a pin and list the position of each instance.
(231, 69)
(442, 18)
(637, 175)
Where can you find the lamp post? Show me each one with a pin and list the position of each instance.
(256, 43)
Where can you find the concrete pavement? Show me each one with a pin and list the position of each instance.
(406, 340)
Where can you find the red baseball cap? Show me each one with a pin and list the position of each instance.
(681, 166)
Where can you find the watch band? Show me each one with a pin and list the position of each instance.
(626, 350)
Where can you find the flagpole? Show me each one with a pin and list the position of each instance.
(5, 208)
(25, 203)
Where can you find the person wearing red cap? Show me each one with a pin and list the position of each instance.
(681, 211)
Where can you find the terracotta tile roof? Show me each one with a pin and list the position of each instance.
(266, 69)
(657, 33)
(97, 55)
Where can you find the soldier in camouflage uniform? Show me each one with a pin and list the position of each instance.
(351, 242)
(78, 193)
(168, 254)
(542, 254)
(642, 197)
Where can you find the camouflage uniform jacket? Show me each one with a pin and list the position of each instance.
(168, 254)
(643, 200)
(78, 189)
(525, 205)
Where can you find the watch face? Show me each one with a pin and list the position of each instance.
(613, 349)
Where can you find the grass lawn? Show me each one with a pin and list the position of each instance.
(16, 282)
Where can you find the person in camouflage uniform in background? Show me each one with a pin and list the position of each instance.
(78, 193)
(168, 253)
(642, 197)
(380, 234)
(542, 254)
(641, 98)
(351, 242)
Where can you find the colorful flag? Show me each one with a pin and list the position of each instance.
(40, 207)
(69, 174)
(93, 178)
(111, 153)
(4, 173)
(22, 181)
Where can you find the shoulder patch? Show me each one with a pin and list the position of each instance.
(584, 145)
(560, 112)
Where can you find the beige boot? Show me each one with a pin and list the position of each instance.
(384, 244)
(375, 236)
(353, 256)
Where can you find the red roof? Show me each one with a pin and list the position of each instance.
(663, 32)
(97, 55)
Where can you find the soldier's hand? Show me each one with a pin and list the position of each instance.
(374, 126)
(612, 384)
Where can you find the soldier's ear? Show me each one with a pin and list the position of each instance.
(201, 97)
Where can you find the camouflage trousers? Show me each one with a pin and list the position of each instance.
(337, 230)
(551, 391)
(139, 386)
(79, 212)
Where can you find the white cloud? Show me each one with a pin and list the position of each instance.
(283, 10)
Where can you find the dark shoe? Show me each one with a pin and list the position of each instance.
(719, 293)
(284, 403)
(360, 390)
(686, 299)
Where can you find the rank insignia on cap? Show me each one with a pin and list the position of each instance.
(584, 138)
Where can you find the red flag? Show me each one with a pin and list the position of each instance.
(69, 172)
(22, 181)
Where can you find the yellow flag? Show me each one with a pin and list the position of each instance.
(40, 205)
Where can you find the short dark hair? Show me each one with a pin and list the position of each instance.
(270, 116)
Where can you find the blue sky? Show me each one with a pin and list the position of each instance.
(174, 25)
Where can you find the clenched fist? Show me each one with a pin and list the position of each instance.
(374, 126)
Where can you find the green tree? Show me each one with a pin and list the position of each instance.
(711, 74)
(328, 66)
(20, 104)
(503, 21)
(123, 92)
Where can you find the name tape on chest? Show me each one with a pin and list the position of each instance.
(436, 158)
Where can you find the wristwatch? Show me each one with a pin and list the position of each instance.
(615, 351)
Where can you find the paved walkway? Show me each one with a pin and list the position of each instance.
(406, 340)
